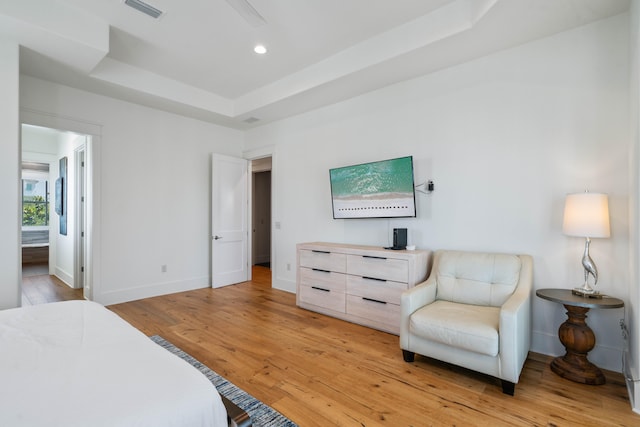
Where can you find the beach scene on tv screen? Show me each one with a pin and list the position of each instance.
(372, 190)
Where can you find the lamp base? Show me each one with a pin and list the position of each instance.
(587, 293)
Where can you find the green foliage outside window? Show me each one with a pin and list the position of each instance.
(34, 211)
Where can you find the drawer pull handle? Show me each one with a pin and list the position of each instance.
(320, 289)
(320, 252)
(373, 300)
(320, 270)
(373, 257)
(373, 278)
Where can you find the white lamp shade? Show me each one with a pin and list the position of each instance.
(586, 215)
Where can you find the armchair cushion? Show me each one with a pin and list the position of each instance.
(477, 278)
(469, 327)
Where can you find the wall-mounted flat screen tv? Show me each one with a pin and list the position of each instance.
(382, 189)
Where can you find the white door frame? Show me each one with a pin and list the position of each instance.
(79, 250)
(257, 175)
(52, 161)
(92, 202)
(256, 154)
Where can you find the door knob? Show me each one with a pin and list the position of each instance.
(217, 237)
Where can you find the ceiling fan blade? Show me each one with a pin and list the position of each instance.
(247, 12)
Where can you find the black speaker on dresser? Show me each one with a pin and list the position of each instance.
(399, 238)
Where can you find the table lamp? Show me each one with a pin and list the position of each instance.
(586, 215)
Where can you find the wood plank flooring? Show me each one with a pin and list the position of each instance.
(321, 371)
(39, 288)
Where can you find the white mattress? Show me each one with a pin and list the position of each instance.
(76, 363)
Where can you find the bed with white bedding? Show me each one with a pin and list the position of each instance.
(75, 363)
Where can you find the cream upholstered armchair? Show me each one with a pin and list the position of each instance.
(473, 311)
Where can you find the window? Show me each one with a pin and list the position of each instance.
(35, 198)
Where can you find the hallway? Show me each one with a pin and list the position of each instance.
(38, 287)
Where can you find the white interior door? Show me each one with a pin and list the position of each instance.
(229, 220)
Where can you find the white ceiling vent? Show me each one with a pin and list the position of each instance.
(247, 12)
(251, 120)
(145, 8)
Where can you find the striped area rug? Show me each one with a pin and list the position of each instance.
(261, 415)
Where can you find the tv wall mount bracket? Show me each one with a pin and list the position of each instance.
(426, 187)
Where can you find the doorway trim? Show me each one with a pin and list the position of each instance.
(52, 161)
(255, 154)
(92, 202)
(79, 249)
(260, 234)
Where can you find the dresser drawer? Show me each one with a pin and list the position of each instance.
(323, 279)
(360, 284)
(381, 290)
(323, 260)
(375, 311)
(322, 297)
(379, 267)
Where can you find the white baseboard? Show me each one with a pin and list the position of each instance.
(65, 277)
(151, 290)
(157, 289)
(633, 383)
(634, 396)
(284, 285)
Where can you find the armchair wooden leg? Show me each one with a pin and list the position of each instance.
(508, 387)
(408, 356)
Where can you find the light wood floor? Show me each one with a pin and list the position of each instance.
(321, 371)
(39, 288)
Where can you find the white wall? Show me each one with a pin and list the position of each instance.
(633, 310)
(504, 138)
(153, 176)
(64, 256)
(39, 143)
(10, 217)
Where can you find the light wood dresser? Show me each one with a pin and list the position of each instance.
(360, 284)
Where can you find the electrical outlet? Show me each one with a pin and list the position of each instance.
(163, 268)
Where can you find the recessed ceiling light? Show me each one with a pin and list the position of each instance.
(260, 49)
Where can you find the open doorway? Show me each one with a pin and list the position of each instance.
(53, 185)
(261, 212)
(36, 185)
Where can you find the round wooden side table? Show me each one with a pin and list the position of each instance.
(576, 336)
